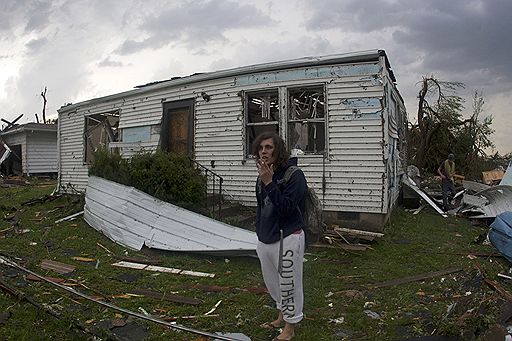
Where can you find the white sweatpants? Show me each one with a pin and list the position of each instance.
(285, 289)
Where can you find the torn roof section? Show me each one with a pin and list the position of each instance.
(134, 219)
(498, 200)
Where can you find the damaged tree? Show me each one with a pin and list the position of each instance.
(441, 128)
(438, 111)
(474, 136)
(43, 94)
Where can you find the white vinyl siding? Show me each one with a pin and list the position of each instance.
(41, 152)
(355, 166)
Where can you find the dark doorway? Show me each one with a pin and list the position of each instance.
(13, 164)
(177, 135)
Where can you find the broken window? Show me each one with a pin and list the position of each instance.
(306, 120)
(262, 114)
(100, 130)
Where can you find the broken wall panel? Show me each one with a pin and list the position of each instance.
(133, 219)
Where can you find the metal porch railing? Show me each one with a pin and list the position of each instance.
(213, 191)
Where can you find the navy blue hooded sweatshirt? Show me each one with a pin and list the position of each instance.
(278, 205)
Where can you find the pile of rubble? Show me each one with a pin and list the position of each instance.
(474, 200)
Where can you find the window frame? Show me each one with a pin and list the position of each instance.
(323, 120)
(85, 137)
(278, 122)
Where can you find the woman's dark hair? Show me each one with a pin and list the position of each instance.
(280, 151)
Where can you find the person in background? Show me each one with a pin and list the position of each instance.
(279, 227)
(447, 171)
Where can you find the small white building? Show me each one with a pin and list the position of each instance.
(342, 113)
(33, 149)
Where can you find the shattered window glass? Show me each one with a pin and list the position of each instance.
(306, 120)
(262, 114)
(100, 130)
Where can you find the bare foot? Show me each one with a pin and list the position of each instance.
(277, 323)
(287, 334)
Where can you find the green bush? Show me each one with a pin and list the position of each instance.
(168, 177)
(110, 166)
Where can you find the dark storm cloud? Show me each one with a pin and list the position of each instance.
(195, 23)
(442, 33)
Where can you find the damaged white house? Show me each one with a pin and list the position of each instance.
(29, 149)
(342, 114)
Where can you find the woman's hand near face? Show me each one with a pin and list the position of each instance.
(265, 171)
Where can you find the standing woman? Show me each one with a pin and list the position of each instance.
(279, 226)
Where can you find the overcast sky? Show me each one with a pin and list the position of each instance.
(82, 49)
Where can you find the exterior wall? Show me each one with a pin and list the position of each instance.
(15, 139)
(353, 171)
(41, 152)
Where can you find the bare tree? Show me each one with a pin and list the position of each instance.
(43, 94)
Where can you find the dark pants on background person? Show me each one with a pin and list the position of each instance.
(448, 193)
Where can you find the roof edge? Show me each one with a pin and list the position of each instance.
(360, 56)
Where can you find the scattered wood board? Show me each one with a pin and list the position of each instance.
(367, 235)
(31, 277)
(413, 278)
(139, 266)
(57, 266)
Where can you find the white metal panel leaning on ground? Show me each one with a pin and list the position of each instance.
(134, 219)
(358, 171)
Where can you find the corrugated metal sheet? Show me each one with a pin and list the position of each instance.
(133, 219)
(499, 200)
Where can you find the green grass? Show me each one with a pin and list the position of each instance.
(412, 245)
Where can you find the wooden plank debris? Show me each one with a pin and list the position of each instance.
(366, 235)
(166, 296)
(139, 266)
(70, 217)
(139, 260)
(413, 278)
(84, 259)
(499, 289)
(57, 266)
(104, 248)
(31, 277)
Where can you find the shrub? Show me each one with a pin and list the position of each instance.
(168, 177)
(110, 166)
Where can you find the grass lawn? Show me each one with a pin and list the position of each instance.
(341, 301)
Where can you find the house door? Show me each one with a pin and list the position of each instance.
(177, 127)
